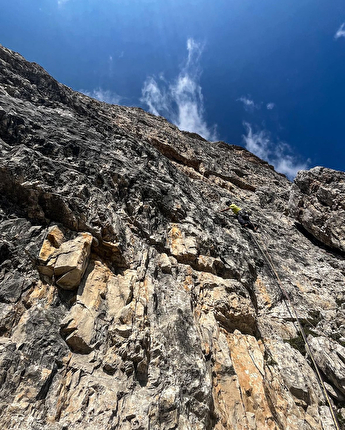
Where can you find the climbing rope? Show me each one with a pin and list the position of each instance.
(267, 257)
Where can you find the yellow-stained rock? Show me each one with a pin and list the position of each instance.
(263, 295)
(53, 241)
(226, 392)
(67, 261)
(119, 291)
(50, 245)
(42, 291)
(248, 363)
(91, 291)
(79, 324)
(183, 247)
(71, 261)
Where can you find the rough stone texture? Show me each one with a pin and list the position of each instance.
(318, 203)
(65, 261)
(174, 320)
(330, 357)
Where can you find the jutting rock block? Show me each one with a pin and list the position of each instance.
(66, 261)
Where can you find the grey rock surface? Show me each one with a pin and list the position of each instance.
(318, 202)
(330, 357)
(168, 315)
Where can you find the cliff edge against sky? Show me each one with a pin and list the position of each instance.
(129, 301)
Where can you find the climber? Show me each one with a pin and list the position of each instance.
(242, 215)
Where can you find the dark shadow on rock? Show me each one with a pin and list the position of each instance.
(318, 243)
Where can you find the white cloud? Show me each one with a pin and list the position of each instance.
(248, 103)
(194, 53)
(181, 100)
(156, 98)
(279, 154)
(340, 32)
(103, 95)
(270, 106)
(61, 2)
(289, 167)
(257, 143)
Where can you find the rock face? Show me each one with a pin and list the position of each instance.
(129, 301)
(318, 203)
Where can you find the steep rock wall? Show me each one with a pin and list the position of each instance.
(128, 301)
(317, 201)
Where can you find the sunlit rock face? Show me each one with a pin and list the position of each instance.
(318, 203)
(129, 301)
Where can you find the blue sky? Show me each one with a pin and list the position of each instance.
(268, 74)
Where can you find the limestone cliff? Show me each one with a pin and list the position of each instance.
(129, 301)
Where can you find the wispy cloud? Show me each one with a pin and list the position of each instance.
(156, 98)
(103, 95)
(257, 143)
(248, 103)
(270, 106)
(340, 32)
(181, 100)
(279, 154)
(61, 2)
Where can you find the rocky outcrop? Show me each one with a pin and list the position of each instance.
(330, 358)
(128, 300)
(65, 261)
(318, 203)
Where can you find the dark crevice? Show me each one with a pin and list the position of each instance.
(171, 153)
(45, 387)
(334, 252)
(233, 179)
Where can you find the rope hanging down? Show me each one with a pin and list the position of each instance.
(267, 257)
